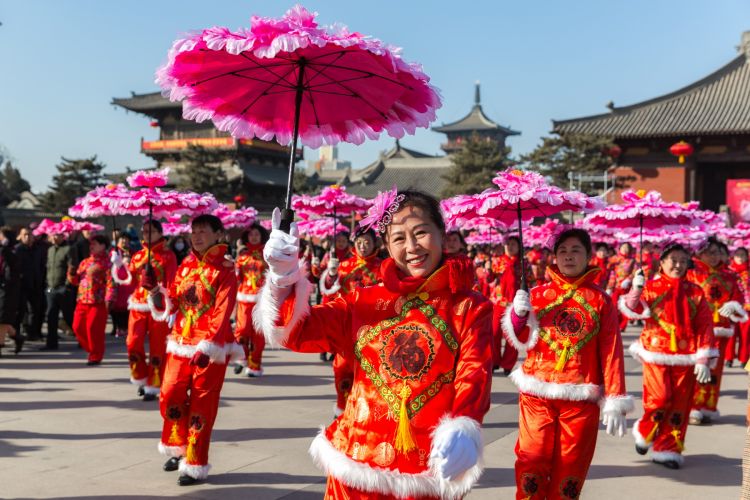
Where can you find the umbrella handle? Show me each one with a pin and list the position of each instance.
(287, 216)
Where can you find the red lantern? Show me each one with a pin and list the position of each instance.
(239, 199)
(614, 152)
(681, 150)
(154, 124)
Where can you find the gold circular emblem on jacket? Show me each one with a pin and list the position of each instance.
(361, 410)
(384, 454)
(549, 294)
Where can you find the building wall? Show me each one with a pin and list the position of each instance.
(671, 181)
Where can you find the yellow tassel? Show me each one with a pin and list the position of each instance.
(711, 399)
(563, 357)
(174, 436)
(652, 434)
(190, 456)
(404, 440)
(676, 434)
(187, 324)
(716, 314)
(156, 380)
(672, 340)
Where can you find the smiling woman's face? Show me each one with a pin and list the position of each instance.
(414, 242)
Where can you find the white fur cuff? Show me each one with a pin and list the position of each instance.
(266, 312)
(334, 288)
(620, 404)
(528, 384)
(138, 381)
(151, 390)
(155, 313)
(217, 353)
(629, 313)
(247, 298)
(470, 428)
(639, 439)
(121, 281)
(640, 354)
(171, 451)
(510, 334)
(137, 306)
(722, 332)
(666, 456)
(236, 353)
(199, 472)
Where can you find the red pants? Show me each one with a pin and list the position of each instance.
(343, 377)
(146, 371)
(188, 403)
(252, 342)
(556, 442)
(336, 490)
(667, 396)
(89, 323)
(504, 358)
(706, 396)
(741, 336)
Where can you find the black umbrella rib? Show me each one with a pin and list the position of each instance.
(312, 105)
(265, 92)
(343, 80)
(368, 73)
(266, 67)
(353, 93)
(317, 73)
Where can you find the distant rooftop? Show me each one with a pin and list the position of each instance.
(476, 120)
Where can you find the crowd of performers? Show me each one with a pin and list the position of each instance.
(417, 321)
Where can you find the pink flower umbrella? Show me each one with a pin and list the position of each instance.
(242, 217)
(331, 201)
(525, 195)
(320, 228)
(290, 79)
(545, 234)
(66, 226)
(175, 229)
(643, 211)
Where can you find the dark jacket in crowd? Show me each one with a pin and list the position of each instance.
(79, 250)
(10, 280)
(31, 264)
(58, 258)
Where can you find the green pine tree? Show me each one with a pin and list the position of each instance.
(577, 153)
(474, 166)
(74, 178)
(203, 173)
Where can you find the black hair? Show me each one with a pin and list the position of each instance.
(740, 248)
(513, 238)
(601, 246)
(9, 233)
(208, 220)
(155, 224)
(365, 232)
(710, 241)
(245, 236)
(429, 204)
(101, 239)
(672, 247)
(580, 234)
(460, 237)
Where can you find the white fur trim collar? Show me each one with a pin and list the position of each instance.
(510, 334)
(529, 384)
(117, 279)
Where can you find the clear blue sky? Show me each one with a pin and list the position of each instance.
(62, 61)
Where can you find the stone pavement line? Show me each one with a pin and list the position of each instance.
(71, 431)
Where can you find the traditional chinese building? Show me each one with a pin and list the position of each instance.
(259, 168)
(711, 114)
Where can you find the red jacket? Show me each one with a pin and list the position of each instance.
(251, 269)
(719, 286)
(355, 272)
(93, 279)
(164, 263)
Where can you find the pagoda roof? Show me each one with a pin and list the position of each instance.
(718, 104)
(475, 120)
(146, 103)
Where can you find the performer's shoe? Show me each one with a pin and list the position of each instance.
(93, 363)
(506, 371)
(172, 464)
(185, 480)
(641, 450)
(669, 464)
(149, 397)
(48, 348)
(238, 369)
(141, 391)
(729, 363)
(19, 339)
(323, 357)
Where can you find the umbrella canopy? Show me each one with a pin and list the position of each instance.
(175, 229)
(332, 201)
(544, 234)
(242, 217)
(484, 238)
(92, 204)
(320, 228)
(288, 79)
(66, 226)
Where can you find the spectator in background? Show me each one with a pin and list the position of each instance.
(31, 296)
(9, 287)
(180, 247)
(119, 293)
(60, 293)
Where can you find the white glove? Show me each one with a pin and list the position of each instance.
(734, 311)
(116, 259)
(727, 309)
(702, 373)
(639, 280)
(315, 262)
(281, 253)
(454, 454)
(333, 266)
(625, 284)
(615, 423)
(521, 303)
(609, 292)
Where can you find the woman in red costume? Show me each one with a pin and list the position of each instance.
(202, 298)
(739, 264)
(454, 244)
(421, 342)
(601, 260)
(674, 348)
(574, 366)
(725, 302)
(623, 269)
(250, 268)
(93, 280)
(508, 276)
(146, 372)
(363, 269)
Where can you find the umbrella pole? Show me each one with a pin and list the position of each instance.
(333, 231)
(521, 253)
(287, 215)
(148, 247)
(641, 244)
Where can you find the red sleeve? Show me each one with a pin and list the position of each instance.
(704, 325)
(170, 269)
(610, 351)
(327, 327)
(473, 382)
(226, 294)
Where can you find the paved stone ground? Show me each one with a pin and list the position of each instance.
(72, 431)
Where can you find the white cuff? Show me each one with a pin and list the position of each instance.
(457, 488)
(334, 288)
(617, 404)
(247, 298)
(117, 279)
(217, 353)
(629, 313)
(155, 313)
(267, 310)
(510, 334)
